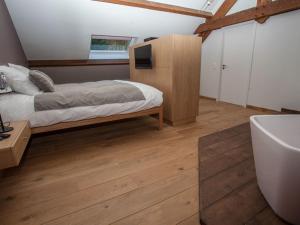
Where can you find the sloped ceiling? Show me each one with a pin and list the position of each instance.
(61, 29)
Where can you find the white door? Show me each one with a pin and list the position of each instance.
(236, 63)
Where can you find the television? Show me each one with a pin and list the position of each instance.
(143, 57)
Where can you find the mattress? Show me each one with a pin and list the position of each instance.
(15, 107)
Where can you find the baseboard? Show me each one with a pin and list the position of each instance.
(180, 122)
(260, 108)
(210, 98)
(290, 111)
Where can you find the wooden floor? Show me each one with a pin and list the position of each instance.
(228, 186)
(121, 173)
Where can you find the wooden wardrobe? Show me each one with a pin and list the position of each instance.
(176, 61)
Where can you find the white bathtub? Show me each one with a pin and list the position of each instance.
(276, 148)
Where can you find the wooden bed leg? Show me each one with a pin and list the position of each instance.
(161, 118)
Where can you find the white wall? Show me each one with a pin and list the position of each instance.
(61, 29)
(275, 77)
(275, 81)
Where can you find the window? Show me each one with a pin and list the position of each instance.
(110, 47)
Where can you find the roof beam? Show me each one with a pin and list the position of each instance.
(273, 8)
(160, 7)
(222, 11)
(262, 3)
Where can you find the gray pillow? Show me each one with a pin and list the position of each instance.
(41, 80)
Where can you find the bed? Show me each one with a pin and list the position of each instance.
(14, 107)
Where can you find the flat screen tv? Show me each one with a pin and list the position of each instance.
(143, 57)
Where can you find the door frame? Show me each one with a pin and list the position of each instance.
(221, 69)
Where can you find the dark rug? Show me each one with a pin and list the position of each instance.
(229, 194)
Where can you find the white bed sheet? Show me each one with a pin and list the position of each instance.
(21, 107)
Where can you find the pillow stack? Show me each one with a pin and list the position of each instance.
(25, 81)
(17, 78)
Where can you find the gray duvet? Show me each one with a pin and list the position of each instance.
(87, 94)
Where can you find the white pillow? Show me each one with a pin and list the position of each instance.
(20, 68)
(19, 81)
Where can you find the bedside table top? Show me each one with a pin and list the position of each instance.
(18, 126)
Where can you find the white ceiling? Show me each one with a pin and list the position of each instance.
(61, 29)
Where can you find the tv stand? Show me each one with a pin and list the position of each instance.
(176, 72)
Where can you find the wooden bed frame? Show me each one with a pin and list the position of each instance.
(64, 125)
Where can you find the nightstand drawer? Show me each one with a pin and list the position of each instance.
(21, 144)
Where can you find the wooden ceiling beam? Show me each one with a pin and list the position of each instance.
(160, 7)
(222, 11)
(272, 8)
(262, 3)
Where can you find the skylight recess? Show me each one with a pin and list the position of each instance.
(110, 47)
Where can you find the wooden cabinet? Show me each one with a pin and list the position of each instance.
(12, 149)
(176, 63)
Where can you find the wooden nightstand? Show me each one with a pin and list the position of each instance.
(12, 148)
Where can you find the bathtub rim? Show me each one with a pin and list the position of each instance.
(268, 133)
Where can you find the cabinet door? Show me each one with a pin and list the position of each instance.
(236, 63)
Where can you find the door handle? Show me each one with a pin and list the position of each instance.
(224, 67)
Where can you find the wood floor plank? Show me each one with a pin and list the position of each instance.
(86, 152)
(193, 220)
(242, 205)
(222, 184)
(115, 172)
(64, 203)
(101, 169)
(266, 217)
(132, 202)
(220, 162)
(167, 212)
